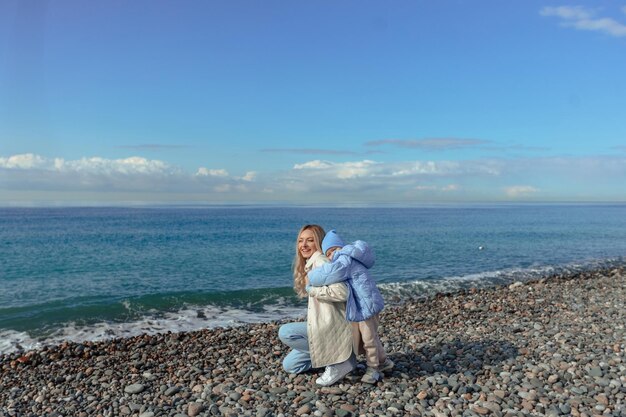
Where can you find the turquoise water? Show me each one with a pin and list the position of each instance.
(94, 273)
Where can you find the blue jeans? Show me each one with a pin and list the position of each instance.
(294, 335)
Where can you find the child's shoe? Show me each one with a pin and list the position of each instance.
(387, 366)
(371, 376)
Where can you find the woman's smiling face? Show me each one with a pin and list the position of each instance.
(306, 244)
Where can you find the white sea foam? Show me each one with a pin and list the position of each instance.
(188, 319)
(429, 287)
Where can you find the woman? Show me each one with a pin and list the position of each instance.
(325, 339)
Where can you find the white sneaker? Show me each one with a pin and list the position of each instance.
(334, 373)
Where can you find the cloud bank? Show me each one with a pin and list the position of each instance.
(525, 179)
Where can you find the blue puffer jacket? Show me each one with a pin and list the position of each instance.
(351, 264)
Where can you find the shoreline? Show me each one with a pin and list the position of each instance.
(194, 317)
(550, 346)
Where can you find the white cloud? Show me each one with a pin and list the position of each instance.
(205, 172)
(385, 180)
(355, 169)
(520, 190)
(567, 12)
(22, 161)
(582, 18)
(373, 169)
(607, 25)
(250, 176)
(566, 178)
(95, 165)
(341, 170)
(126, 166)
(317, 164)
(425, 168)
(94, 174)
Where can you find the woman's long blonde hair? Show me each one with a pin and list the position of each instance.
(299, 275)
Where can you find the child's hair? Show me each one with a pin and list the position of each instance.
(299, 276)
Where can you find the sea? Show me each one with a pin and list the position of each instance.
(96, 273)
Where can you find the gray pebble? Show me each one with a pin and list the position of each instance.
(134, 388)
(171, 391)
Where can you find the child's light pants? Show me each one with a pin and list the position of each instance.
(369, 341)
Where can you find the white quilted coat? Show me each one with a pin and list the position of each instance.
(329, 333)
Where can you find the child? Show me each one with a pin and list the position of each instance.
(351, 263)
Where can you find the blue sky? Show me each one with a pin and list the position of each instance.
(312, 102)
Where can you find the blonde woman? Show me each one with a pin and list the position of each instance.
(325, 339)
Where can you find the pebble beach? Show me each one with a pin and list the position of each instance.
(552, 346)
